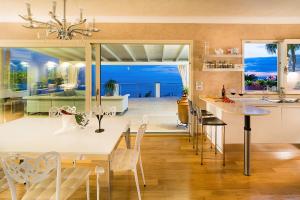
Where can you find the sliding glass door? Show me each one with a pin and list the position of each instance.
(32, 80)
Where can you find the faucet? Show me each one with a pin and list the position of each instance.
(264, 96)
(281, 93)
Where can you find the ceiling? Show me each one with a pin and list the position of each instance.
(162, 10)
(124, 53)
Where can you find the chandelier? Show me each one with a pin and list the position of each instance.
(63, 29)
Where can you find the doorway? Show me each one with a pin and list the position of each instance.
(152, 75)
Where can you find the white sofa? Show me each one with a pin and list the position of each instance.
(42, 103)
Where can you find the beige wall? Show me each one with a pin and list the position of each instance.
(223, 36)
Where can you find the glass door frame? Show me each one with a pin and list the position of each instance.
(97, 47)
(284, 51)
(60, 44)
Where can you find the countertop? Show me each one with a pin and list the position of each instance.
(239, 107)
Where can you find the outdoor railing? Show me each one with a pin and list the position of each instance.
(144, 90)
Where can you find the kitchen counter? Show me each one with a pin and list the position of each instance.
(239, 107)
(271, 123)
(280, 123)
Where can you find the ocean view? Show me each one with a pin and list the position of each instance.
(139, 81)
(261, 66)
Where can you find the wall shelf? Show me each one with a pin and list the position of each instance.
(236, 69)
(223, 56)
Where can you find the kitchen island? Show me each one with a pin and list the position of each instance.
(238, 109)
(282, 125)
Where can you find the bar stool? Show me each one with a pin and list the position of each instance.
(210, 121)
(193, 119)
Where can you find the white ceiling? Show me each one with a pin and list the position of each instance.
(124, 53)
(174, 11)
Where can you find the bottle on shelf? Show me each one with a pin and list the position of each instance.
(223, 92)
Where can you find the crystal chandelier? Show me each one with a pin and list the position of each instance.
(63, 29)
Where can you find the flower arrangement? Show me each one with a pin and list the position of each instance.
(80, 118)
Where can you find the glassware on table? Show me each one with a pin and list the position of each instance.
(241, 93)
(99, 113)
(232, 92)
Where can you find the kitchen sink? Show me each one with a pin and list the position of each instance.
(286, 100)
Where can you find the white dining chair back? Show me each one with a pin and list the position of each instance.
(43, 177)
(54, 112)
(128, 159)
(110, 111)
(139, 136)
(3, 182)
(145, 119)
(30, 171)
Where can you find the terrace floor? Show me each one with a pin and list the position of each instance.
(161, 112)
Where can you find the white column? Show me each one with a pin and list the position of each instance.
(98, 73)
(88, 77)
(117, 90)
(157, 90)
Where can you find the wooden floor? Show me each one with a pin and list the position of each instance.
(173, 172)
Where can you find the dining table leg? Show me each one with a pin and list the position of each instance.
(127, 138)
(105, 180)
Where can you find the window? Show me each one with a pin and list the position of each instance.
(292, 69)
(261, 66)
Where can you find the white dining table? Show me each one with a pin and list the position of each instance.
(44, 134)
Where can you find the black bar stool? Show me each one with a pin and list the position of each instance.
(210, 121)
(193, 120)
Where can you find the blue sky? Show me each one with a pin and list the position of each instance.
(254, 50)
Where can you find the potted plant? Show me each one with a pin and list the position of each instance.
(185, 91)
(110, 87)
(183, 106)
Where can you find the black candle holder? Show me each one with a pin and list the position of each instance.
(100, 130)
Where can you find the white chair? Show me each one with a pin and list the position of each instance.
(98, 170)
(127, 159)
(110, 111)
(54, 112)
(43, 177)
(3, 182)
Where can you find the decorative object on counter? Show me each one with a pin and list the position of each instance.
(99, 113)
(54, 112)
(238, 66)
(229, 51)
(219, 64)
(206, 48)
(110, 87)
(227, 100)
(219, 51)
(183, 107)
(233, 51)
(82, 119)
(223, 92)
(69, 117)
(68, 110)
